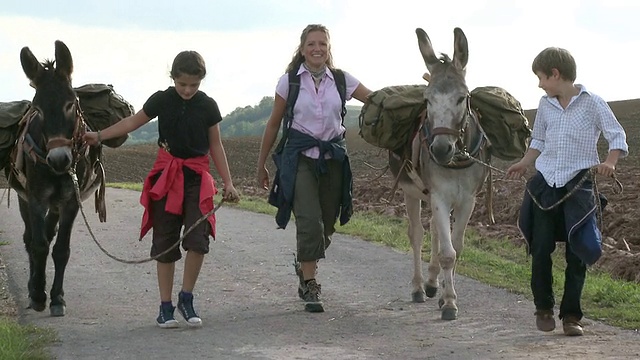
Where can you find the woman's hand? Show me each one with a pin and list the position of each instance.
(91, 138)
(263, 178)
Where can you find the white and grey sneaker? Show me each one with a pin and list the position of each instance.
(165, 318)
(185, 307)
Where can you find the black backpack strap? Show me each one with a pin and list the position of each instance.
(341, 84)
(292, 96)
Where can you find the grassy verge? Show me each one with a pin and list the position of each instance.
(500, 263)
(18, 342)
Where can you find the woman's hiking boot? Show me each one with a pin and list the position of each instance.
(301, 286)
(311, 297)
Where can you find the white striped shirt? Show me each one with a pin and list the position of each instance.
(567, 138)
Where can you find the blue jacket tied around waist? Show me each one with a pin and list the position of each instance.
(581, 227)
(281, 195)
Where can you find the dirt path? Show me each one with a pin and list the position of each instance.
(247, 298)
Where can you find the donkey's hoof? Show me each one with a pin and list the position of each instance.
(418, 297)
(449, 314)
(440, 303)
(431, 291)
(57, 310)
(37, 306)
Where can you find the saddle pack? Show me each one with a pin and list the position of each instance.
(10, 115)
(389, 118)
(103, 107)
(503, 121)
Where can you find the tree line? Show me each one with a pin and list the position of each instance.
(243, 121)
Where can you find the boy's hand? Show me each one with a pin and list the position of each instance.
(606, 169)
(516, 171)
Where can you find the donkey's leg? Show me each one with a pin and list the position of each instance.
(416, 235)
(27, 238)
(60, 254)
(37, 247)
(461, 215)
(446, 256)
(51, 226)
(431, 286)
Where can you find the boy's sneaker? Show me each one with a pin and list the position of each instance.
(545, 320)
(185, 306)
(311, 297)
(165, 319)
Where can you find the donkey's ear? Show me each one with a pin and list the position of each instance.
(64, 62)
(30, 65)
(426, 49)
(461, 49)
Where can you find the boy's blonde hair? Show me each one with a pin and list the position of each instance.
(555, 58)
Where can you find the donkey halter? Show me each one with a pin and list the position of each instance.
(75, 142)
(461, 157)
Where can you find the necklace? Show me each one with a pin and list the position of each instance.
(317, 75)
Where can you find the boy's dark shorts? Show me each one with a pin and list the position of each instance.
(167, 227)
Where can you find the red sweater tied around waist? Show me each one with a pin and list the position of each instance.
(171, 184)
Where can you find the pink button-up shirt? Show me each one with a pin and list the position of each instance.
(317, 113)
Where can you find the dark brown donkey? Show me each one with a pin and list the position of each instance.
(46, 159)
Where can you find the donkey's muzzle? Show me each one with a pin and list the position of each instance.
(60, 159)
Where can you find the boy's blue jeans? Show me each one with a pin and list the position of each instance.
(549, 227)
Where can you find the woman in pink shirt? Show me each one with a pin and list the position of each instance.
(314, 176)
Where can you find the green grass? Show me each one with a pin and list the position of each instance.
(23, 341)
(500, 263)
(127, 186)
(18, 342)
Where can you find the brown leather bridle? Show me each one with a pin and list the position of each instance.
(75, 142)
(461, 158)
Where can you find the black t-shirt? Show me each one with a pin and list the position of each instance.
(183, 125)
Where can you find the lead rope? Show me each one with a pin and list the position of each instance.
(618, 189)
(76, 187)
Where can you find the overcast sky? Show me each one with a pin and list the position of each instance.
(248, 43)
